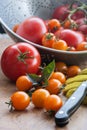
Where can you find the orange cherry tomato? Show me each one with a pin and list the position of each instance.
(82, 46)
(60, 45)
(20, 100)
(15, 28)
(70, 24)
(73, 70)
(61, 67)
(53, 103)
(39, 96)
(48, 39)
(53, 25)
(23, 83)
(54, 86)
(59, 76)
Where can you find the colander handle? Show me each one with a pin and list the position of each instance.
(71, 105)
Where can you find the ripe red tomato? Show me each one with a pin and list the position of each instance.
(81, 21)
(72, 38)
(61, 12)
(78, 14)
(82, 25)
(32, 29)
(19, 59)
(83, 29)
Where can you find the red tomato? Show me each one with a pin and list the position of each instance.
(81, 21)
(83, 29)
(77, 15)
(19, 59)
(61, 12)
(71, 37)
(32, 29)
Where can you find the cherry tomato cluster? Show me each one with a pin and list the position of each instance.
(48, 97)
(66, 30)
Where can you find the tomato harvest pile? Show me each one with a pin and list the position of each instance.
(66, 30)
(39, 83)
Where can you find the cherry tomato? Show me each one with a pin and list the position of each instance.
(70, 24)
(15, 28)
(60, 45)
(54, 86)
(83, 29)
(81, 21)
(32, 29)
(48, 39)
(59, 76)
(82, 25)
(39, 96)
(61, 12)
(23, 83)
(82, 46)
(20, 100)
(67, 24)
(53, 25)
(61, 67)
(72, 38)
(53, 103)
(73, 70)
(19, 59)
(78, 14)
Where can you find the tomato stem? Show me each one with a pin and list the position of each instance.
(10, 105)
(24, 56)
(72, 11)
(49, 36)
(82, 7)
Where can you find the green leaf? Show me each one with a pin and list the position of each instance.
(47, 71)
(34, 78)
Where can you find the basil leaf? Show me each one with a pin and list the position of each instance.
(47, 71)
(34, 78)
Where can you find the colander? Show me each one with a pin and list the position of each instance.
(15, 11)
